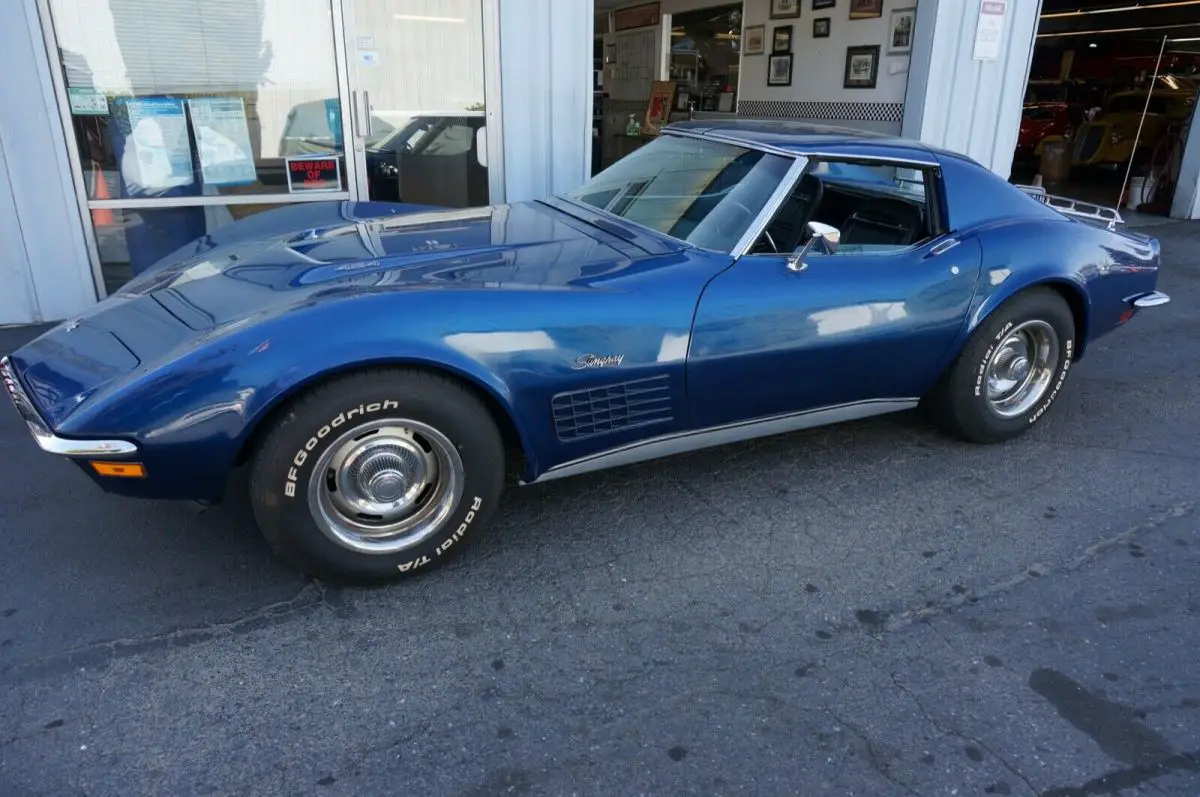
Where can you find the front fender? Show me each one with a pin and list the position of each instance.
(191, 415)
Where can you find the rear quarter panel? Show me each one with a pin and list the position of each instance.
(1098, 270)
(1026, 243)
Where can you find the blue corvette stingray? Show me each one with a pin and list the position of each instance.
(383, 368)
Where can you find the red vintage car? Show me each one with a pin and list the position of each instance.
(1046, 121)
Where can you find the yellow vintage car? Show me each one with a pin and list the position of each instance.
(1108, 139)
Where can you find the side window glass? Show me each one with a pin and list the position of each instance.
(877, 208)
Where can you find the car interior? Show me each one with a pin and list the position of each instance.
(875, 208)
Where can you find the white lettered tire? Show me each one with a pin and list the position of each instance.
(1011, 370)
(377, 474)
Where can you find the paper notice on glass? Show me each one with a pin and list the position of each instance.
(87, 101)
(990, 29)
(157, 154)
(223, 140)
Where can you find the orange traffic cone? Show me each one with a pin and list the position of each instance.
(102, 217)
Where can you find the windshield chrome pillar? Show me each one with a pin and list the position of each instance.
(786, 185)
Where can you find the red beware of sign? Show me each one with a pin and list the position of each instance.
(314, 174)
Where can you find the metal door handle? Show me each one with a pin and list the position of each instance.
(367, 106)
(354, 111)
(943, 247)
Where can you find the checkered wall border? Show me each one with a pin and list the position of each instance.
(848, 111)
(625, 106)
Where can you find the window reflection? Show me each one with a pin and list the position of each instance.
(131, 241)
(179, 98)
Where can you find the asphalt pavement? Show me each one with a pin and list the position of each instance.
(868, 609)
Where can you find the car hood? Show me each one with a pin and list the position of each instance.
(278, 261)
(303, 253)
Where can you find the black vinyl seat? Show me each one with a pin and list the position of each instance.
(882, 221)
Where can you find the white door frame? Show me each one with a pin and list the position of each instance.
(355, 104)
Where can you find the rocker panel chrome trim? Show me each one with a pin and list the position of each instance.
(681, 442)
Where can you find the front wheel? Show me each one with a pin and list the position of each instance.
(1011, 370)
(376, 475)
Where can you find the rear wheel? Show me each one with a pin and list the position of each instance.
(1011, 370)
(376, 475)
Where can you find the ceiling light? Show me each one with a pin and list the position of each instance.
(1092, 45)
(1118, 9)
(456, 20)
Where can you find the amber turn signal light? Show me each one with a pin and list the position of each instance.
(128, 470)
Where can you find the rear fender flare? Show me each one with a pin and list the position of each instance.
(1070, 288)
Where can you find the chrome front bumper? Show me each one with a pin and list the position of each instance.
(44, 435)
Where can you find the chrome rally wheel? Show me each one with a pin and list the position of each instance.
(1011, 370)
(386, 486)
(377, 474)
(1022, 368)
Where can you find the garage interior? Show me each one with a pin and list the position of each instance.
(1093, 92)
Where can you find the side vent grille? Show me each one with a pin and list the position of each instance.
(597, 410)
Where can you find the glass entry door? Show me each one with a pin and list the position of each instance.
(417, 94)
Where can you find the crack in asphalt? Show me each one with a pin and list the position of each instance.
(957, 734)
(312, 595)
(1037, 570)
(873, 755)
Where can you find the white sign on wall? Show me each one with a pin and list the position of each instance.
(990, 29)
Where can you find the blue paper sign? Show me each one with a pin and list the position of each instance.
(223, 140)
(157, 155)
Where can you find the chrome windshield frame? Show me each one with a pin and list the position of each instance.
(768, 211)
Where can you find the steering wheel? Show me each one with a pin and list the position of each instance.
(771, 241)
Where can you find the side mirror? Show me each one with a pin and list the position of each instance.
(822, 237)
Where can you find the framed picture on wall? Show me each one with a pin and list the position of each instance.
(781, 39)
(862, 67)
(821, 28)
(866, 9)
(785, 9)
(779, 71)
(819, 4)
(754, 40)
(900, 31)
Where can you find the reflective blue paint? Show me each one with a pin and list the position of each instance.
(848, 328)
(189, 360)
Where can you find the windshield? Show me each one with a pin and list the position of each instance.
(707, 193)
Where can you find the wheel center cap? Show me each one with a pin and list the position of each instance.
(387, 486)
(1019, 368)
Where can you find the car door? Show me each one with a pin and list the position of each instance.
(786, 330)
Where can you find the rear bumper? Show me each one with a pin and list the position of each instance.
(1152, 299)
(44, 435)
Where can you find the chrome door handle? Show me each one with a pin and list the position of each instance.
(370, 128)
(943, 247)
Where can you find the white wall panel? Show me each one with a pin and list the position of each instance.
(962, 103)
(546, 95)
(44, 270)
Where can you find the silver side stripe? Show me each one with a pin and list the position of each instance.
(680, 442)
